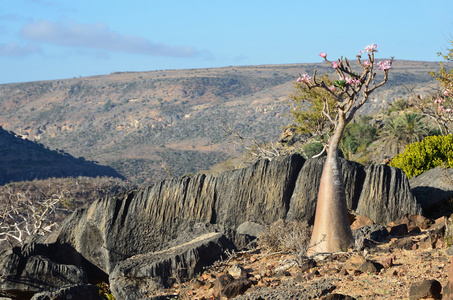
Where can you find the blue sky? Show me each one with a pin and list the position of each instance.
(56, 39)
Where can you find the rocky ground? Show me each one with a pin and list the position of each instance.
(396, 268)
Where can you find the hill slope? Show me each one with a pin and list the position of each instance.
(22, 160)
(137, 122)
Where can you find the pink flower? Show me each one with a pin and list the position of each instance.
(448, 110)
(366, 63)
(332, 88)
(304, 78)
(360, 54)
(335, 65)
(348, 79)
(446, 93)
(371, 48)
(351, 81)
(384, 65)
(439, 100)
(323, 54)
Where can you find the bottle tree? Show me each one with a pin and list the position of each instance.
(331, 231)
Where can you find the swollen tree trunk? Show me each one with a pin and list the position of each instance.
(331, 231)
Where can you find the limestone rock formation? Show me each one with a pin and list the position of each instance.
(434, 191)
(181, 220)
(139, 275)
(386, 195)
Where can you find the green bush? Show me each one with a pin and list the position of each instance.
(358, 136)
(419, 157)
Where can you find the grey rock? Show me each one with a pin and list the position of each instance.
(237, 271)
(73, 292)
(26, 271)
(433, 190)
(291, 290)
(429, 288)
(236, 287)
(370, 267)
(250, 228)
(386, 195)
(221, 282)
(375, 232)
(399, 230)
(260, 193)
(136, 276)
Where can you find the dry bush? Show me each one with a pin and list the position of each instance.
(285, 235)
(38, 206)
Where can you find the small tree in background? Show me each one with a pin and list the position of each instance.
(403, 130)
(440, 107)
(341, 99)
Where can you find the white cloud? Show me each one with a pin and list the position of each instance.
(14, 49)
(98, 36)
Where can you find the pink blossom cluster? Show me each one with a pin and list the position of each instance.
(439, 100)
(442, 109)
(351, 81)
(371, 48)
(384, 65)
(304, 78)
(335, 64)
(440, 104)
(323, 54)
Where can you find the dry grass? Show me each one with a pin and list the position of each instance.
(285, 235)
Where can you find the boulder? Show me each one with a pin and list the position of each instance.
(27, 270)
(250, 228)
(141, 274)
(377, 233)
(429, 288)
(260, 193)
(386, 195)
(434, 190)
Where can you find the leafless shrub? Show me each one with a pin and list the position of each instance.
(285, 235)
(37, 207)
(256, 149)
(20, 216)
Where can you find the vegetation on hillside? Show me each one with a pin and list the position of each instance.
(433, 151)
(419, 157)
(129, 120)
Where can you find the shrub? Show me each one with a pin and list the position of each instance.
(285, 235)
(421, 156)
(358, 136)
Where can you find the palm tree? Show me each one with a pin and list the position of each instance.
(405, 129)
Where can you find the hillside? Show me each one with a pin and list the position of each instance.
(141, 123)
(22, 160)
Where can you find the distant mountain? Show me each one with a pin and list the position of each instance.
(22, 160)
(148, 124)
